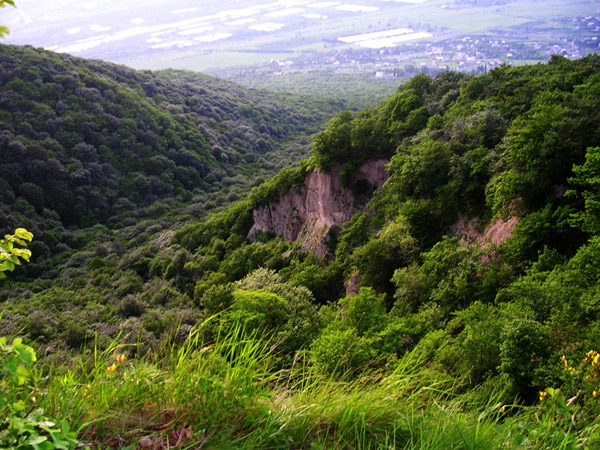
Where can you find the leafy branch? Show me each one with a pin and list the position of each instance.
(11, 256)
(3, 3)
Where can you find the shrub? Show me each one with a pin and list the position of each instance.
(258, 311)
(524, 349)
(479, 341)
(302, 319)
(132, 305)
(365, 312)
(350, 341)
(339, 352)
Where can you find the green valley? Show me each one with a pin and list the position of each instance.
(422, 274)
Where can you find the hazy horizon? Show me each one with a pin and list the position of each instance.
(198, 35)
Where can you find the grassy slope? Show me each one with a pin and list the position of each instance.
(228, 395)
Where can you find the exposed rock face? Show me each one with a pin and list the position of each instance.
(496, 233)
(318, 207)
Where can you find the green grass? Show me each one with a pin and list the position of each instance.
(229, 394)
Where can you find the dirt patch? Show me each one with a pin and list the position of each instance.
(499, 232)
(471, 230)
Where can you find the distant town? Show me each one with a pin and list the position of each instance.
(573, 39)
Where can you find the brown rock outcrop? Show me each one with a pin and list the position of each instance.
(310, 211)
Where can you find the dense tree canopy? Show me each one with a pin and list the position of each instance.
(93, 142)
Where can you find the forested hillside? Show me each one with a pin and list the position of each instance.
(86, 142)
(459, 307)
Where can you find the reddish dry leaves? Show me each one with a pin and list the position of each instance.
(160, 435)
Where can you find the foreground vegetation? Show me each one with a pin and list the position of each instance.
(229, 394)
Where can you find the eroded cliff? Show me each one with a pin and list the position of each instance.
(317, 208)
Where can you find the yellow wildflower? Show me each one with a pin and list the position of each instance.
(595, 394)
(120, 358)
(566, 367)
(111, 368)
(543, 395)
(592, 356)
